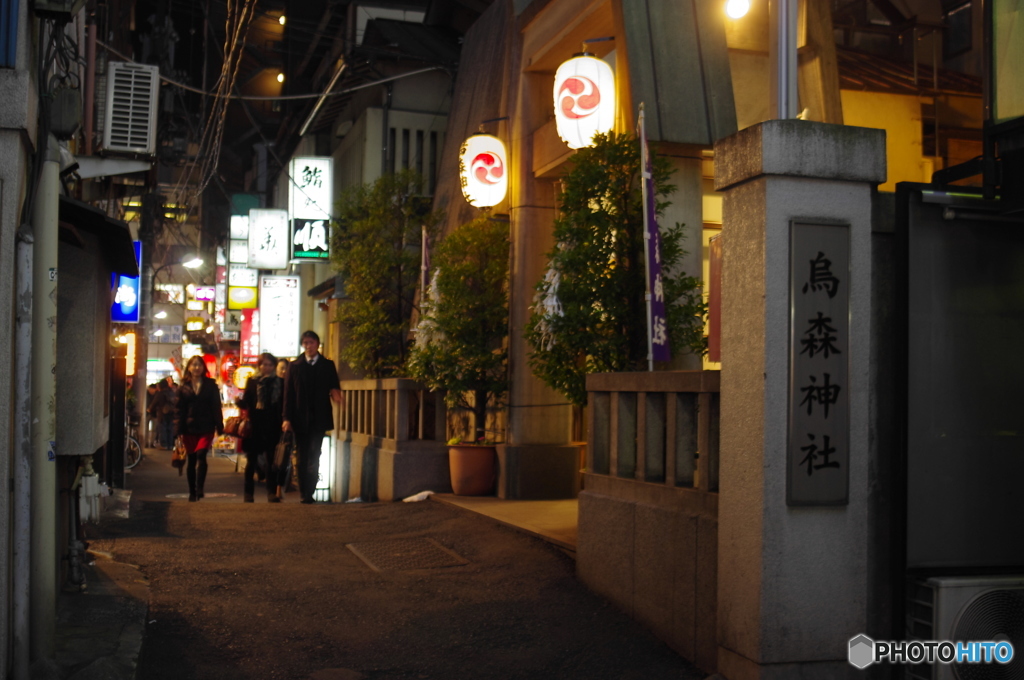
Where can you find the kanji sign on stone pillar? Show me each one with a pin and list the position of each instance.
(819, 412)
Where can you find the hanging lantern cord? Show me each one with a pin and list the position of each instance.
(489, 120)
(584, 44)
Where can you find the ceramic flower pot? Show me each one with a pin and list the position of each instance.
(474, 470)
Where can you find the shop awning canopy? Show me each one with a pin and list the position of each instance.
(114, 236)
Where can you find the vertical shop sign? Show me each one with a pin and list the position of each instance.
(310, 192)
(268, 239)
(819, 342)
(280, 299)
(126, 293)
(250, 325)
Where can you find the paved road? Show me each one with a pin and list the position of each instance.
(272, 591)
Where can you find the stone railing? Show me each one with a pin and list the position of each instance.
(396, 409)
(648, 514)
(658, 427)
(391, 441)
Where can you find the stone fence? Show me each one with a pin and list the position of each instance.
(648, 517)
(391, 441)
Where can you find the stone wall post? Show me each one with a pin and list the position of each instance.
(792, 579)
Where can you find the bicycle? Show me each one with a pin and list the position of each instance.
(132, 450)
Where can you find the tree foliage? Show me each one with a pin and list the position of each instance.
(460, 346)
(589, 314)
(375, 248)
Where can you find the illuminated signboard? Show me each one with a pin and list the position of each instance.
(250, 335)
(238, 251)
(280, 299)
(310, 192)
(584, 100)
(240, 227)
(174, 292)
(126, 294)
(268, 239)
(242, 297)
(310, 188)
(240, 275)
(310, 240)
(195, 323)
(483, 170)
(205, 293)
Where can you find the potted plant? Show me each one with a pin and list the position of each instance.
(460, 346)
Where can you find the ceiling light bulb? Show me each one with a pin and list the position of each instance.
(280, 77)
(160, 315)
(158, 332)
(281, 20)
(192, 263)
(737, 9)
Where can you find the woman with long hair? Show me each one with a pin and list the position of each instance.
(199, 420)
(262, 400)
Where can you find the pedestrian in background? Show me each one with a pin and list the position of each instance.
(199, 420)
(309, 387)
(263, 402)
(161, 409)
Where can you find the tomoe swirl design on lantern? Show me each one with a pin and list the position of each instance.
(487, 168)
(579, 97)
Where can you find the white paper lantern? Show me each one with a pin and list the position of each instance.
(484, 169)
(584, 100)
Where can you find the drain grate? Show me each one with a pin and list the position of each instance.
(405, 554)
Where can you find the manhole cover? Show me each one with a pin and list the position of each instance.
(404, 554)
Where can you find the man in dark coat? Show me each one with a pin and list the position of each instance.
(309, 387)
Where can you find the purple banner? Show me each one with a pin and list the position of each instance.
(658, 322)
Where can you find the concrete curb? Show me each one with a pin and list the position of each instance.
(100, 629)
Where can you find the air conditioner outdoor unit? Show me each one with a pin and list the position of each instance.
(129, 121)
(967, 609)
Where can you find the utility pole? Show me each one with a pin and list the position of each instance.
(149, 228)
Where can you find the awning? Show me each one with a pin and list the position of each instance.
(114, 235)
(333, 288)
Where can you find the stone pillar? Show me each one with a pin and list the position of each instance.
(687, 208)
(536, 462)
(792, 580)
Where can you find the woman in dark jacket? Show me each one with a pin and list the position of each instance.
(262, 400)
(199, 420)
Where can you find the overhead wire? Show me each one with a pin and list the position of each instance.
(278, 97)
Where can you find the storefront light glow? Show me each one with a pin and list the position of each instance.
(483, 167)
(584, 97)
(737, 9)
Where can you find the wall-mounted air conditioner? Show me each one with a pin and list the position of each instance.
(129, 118)
(966, 609)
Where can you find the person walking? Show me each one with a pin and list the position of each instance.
(199, 420)
(161, 411)
(263, 402)
(309, 387)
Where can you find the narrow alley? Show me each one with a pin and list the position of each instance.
(274, 591)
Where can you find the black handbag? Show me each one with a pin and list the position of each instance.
(283, 451)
